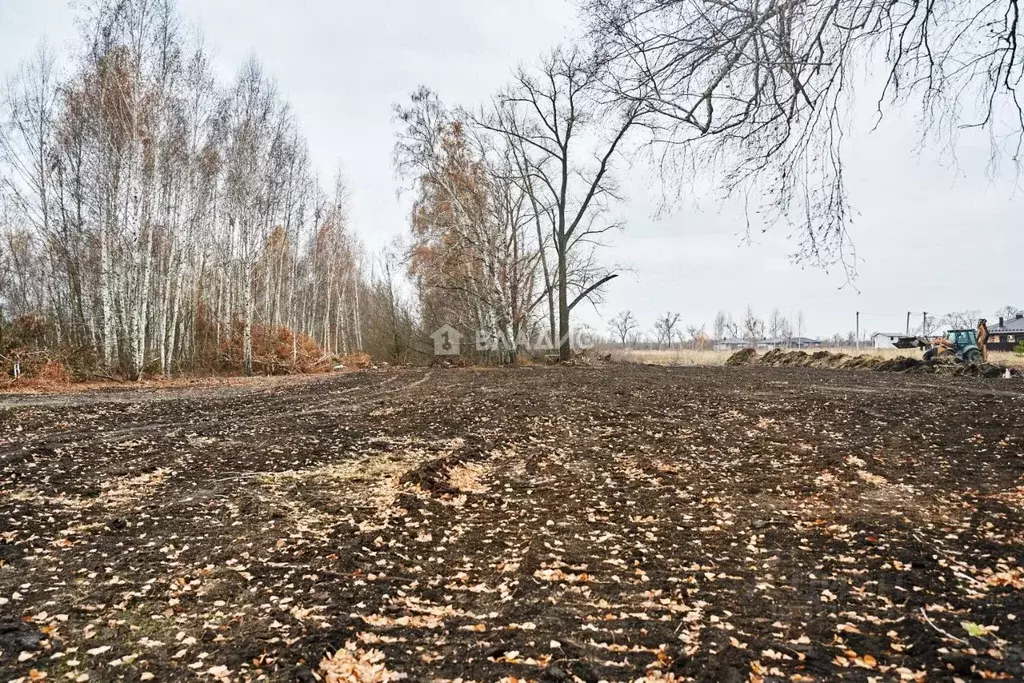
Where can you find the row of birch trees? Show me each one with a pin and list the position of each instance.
(154, 220)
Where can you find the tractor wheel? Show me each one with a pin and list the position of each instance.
(972, 356)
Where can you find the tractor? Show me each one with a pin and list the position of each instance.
(963, 345)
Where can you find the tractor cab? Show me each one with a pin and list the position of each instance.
(960, 340)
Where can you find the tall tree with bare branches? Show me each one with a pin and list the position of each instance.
(760, 90)
(554, 115)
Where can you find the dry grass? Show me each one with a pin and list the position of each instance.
(1006, 358)
(686, 357)
(671, 357)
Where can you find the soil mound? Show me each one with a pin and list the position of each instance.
(744, 357)
(778, 358)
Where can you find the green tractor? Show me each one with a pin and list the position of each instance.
(959, 344)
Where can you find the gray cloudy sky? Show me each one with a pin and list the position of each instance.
(929, 236)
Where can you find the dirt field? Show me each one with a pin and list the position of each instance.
(618, 523)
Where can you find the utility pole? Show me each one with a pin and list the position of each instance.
(908, 323)
(924, 324)
(858, 330)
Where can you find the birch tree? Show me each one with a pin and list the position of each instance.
(157, 221)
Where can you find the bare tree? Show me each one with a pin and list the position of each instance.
(697, 336)
(1008, 312)
(555, 115)
(961, 320)
(732, 327)
(26, 141)
(761, 89)
(665, 328)
(251, 111)
(390, 323)
(777, 325)
(786, 332)
(720, 326)
(753, 326)
(623, 325)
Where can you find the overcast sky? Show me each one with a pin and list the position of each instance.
(929, 236)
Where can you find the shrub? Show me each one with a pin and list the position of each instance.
(271, 351)
(60, 366)
(356, 359)
(54, 371)
(1019, 349)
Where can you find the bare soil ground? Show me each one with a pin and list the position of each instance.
(618, 523)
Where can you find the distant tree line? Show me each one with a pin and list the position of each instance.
(668, 330)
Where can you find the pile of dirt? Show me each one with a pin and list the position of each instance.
(777, 358)
(743, 357)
